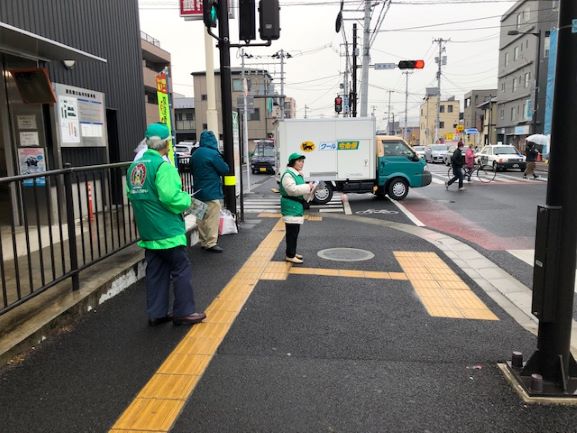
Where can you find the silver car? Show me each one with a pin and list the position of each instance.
(436, 153)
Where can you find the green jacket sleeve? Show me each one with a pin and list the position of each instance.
(169, 189)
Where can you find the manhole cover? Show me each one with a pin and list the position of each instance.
(345, 254)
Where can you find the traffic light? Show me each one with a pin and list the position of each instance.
(411, 64)
(210, 12)
(338, 104)
(269, 19)
(246, 20)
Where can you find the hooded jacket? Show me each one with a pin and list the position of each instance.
(208, 167)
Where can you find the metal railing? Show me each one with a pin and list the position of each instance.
(148, 38)
(61, 222)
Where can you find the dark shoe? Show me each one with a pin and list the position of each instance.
(535, 176)
(524, 176)
(191, 319)
(160, 320)
(215, 249)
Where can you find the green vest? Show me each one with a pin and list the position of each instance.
(153, 220)
(290, 206)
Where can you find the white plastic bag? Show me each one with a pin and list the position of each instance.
(227, 223)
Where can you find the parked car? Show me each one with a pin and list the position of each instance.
(436, 153)
(420, 150)
(185, 148)
(501, 157)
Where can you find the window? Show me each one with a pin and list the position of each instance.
(546, 46)
(527, 80)
(526, 14)
(519, 19)
(441, 109)
(449, 108)
(506, 59)
(527, 110)
(441, 125)
(555, 4)
(513, 113)
(503, 86)
(203, 97)
(255, 115)
(467, 102)
(516, 53)
(502, 114)
(237, 85)
(204, 126)
(514, 85)
(396, 148)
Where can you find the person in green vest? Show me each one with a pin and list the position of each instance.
(294, 193)
(155, 192)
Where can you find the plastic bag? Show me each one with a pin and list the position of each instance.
(197, 208)
(227, 223)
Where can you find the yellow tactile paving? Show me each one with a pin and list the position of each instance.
(441, 291)
(150, 415)
(276, 271)
(160, 401)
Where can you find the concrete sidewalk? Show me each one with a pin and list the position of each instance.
(407, 340)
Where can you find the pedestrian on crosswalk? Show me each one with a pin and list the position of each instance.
(295, 192)
(531, 156)
(457, 160)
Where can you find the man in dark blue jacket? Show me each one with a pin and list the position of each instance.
(208, 167)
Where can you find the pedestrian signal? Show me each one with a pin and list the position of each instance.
(210, 12)
(411, 64)
(246, 20)
(338, 104)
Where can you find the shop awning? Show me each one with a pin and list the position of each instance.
(26, 44)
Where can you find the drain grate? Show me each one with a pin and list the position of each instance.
(345, 255)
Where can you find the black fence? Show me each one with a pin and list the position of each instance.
(60, 223)
(57, 223)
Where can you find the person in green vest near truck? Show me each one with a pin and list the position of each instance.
(155, 192)
(295, 192)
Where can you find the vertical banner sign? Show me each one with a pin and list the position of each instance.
(552, 65)
(164, 109)
(236, 144)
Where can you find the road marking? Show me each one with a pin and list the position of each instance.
(409, 214)
(346, 204)
(441, 291)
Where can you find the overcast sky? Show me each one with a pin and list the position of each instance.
(308, 34)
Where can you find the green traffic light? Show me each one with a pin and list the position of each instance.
(213, 14)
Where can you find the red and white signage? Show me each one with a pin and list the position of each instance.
(191, 9)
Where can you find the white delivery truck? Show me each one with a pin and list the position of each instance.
(346, 155)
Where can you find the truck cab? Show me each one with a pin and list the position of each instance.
(398, 167)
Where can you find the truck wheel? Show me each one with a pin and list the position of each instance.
(323, 194)
(398, 188)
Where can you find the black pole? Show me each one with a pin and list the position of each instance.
(226, 101)
(556, 239)
(353, 100)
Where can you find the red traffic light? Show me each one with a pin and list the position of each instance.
(411, 64)
(338, 104)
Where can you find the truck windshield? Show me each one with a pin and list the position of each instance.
(397, 148)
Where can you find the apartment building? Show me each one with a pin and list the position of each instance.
(448, 118)
(154, 61)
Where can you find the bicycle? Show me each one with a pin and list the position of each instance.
(485, 173)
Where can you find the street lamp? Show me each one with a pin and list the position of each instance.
(538, 63)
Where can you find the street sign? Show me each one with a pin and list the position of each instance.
(249, 103)
(471, 131)
(574, 26)
(460, 128)
(191, 10)
(385, 66)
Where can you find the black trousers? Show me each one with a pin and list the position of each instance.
(457, 175)
(292, 235)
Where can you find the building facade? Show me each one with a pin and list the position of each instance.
(448, 119)
(70, 85)
(184, 119)
(523, 58)
(154, 61)
(488, 131)
(472, 114)
(261, 118)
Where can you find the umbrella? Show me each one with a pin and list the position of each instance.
(539, 139)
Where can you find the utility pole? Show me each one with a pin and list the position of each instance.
(306, 110)
(245, 121)
(551, 370)
(226, 101)
(211, 113)
(282, 54)
(366, 59)
(406, 73)
(441, 62)
(389, 114)
(353, 100)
